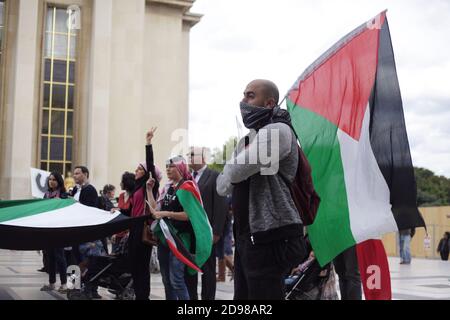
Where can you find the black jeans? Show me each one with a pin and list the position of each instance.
(139, 257)
(208, 279)
(346, 265)
(260, 269)
(57, 261)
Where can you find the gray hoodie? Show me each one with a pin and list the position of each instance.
(270, 202)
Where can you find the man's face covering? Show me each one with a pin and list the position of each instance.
(255, 117)
(256, 107)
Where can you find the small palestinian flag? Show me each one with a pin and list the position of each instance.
(176, 245)
(191, 201)
(56, 223)
(347, 111)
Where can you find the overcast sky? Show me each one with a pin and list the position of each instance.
(240, 40)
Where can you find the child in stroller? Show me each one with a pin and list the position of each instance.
(309, 281)
(107, 271)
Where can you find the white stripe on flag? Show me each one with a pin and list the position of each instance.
(76, 215)
(166, 232)
(367, 192)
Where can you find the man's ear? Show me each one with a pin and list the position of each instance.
(271, 103)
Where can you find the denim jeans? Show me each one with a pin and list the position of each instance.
(172, 273)
(405, 253)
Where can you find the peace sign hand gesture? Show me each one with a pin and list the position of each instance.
(150, 135)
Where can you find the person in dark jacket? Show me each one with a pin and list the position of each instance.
(216, 208)
(444, 246)
(86, 194)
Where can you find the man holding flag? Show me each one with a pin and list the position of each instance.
(347, 111)
(267, 226)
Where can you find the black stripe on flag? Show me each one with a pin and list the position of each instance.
(389, 139)
(28, 238)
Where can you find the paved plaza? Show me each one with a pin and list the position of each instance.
(20, 280)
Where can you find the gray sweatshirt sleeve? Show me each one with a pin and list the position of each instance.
(223, 185)
(272, 144)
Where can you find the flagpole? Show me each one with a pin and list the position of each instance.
(282, 100)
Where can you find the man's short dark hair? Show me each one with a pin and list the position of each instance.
(83, 169)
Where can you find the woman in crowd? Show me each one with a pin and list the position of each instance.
(181, 209)
(127, 184)
(140, 253)
(56, 258)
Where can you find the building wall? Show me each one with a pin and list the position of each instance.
(131, 73)
(165, 78)
(437, 220)
(19, 110)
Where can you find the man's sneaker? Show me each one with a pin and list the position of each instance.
(48, 287)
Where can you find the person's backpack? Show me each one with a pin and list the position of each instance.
(302, 190)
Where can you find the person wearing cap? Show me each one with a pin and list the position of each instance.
(140, 253)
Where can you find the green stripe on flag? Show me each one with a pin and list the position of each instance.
(11, 210)
(200, 224)
(330, 233)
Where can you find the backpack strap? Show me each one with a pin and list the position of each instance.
(289, 124)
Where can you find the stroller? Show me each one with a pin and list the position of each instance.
(311, 282)
(107, 271)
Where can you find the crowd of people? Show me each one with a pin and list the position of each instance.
(256, 230)
(141, 195)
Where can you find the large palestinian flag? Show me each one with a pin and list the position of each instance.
(180, 244)
(347, 111)
(55, 223)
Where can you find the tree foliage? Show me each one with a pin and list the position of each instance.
(432, 190)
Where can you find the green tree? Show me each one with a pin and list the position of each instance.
(432, 190)
(220, 156)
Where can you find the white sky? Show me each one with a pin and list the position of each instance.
(240, 40)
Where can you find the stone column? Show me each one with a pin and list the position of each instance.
(98, 133)
(21, 104)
